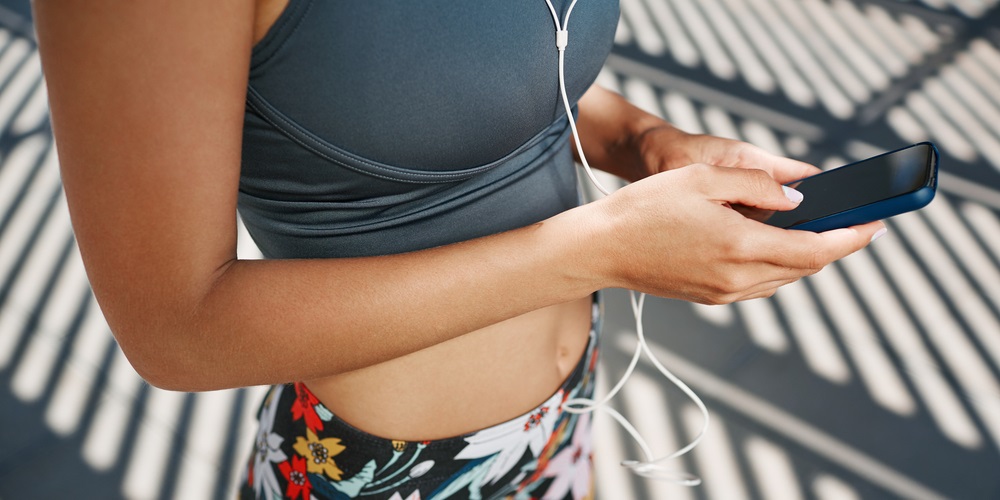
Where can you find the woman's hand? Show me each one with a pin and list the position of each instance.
(685, 228)
(626, 141)
(674, 235)
(665, 148)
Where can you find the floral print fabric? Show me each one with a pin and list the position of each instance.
(303, 451)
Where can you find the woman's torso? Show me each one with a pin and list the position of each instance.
(376, 129)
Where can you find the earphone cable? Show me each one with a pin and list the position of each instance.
(651, 466)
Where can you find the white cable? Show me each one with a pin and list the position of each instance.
(650, 467)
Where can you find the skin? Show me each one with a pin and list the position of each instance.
(147, 101)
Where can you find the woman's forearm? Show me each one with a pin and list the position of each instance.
(147, 101)
(269, 321)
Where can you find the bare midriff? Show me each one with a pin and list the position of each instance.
(471, 382)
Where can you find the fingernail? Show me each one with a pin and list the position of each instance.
(878, 234)
(792, 195)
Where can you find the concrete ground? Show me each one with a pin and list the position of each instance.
(877, 378)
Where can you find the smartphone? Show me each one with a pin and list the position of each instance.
(876, 188)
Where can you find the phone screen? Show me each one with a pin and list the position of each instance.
(858, 184)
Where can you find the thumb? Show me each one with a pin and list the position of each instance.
(752, 188)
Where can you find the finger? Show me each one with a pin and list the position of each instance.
(784, 170)
(753, 213)
(768, 288)
(808, 250)
(760, 290)
(749, 187)
(759, 295)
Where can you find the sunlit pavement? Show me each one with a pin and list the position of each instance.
(877, 378)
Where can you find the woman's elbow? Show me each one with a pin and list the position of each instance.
(165, 362)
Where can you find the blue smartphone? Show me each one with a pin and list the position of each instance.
(881, 186)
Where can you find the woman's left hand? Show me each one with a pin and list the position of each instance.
(626, 141)
(666, 148)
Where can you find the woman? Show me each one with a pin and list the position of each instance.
(406, 169)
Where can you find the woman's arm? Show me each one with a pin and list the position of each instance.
(147, 102)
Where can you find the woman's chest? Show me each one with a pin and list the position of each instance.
(433, 85)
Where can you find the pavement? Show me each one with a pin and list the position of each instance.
(877, 378)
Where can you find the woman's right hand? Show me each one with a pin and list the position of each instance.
(675, 235)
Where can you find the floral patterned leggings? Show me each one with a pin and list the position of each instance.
(304, 451)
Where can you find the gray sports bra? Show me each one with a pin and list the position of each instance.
(375, 127)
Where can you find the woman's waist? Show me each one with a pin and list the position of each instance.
(472, 382)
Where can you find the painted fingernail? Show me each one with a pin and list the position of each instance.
(878, 234)
(792, 195)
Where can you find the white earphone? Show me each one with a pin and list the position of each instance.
(650, 467)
